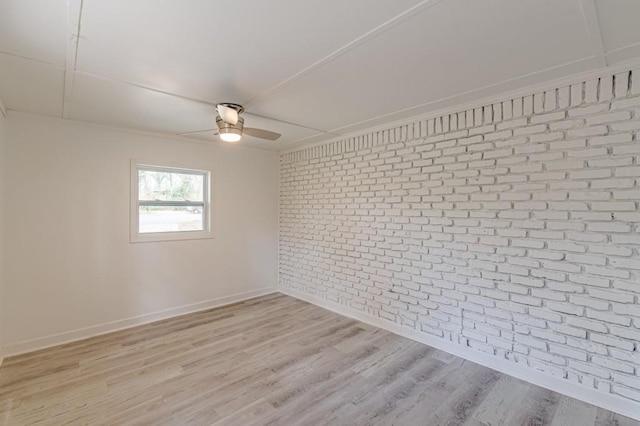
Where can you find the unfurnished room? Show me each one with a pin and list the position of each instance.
(320, 212)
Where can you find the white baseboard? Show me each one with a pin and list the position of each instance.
(17, 348)
(592, 396)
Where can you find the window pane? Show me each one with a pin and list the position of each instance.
(170, 219)
(170, 186)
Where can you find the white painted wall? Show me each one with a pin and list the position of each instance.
(508, 233)
(68, 260)
(2, 203)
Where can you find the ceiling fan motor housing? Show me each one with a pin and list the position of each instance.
(226, 128)
(239, 108)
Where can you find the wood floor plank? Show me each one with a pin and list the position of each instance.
(272, 360)
(497, 406)
(607, 418)
(537, 408)
(465, 399)
(573, 412)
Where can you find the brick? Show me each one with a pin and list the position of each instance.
(612, 341)
(576, 94)
(611, 162)
(625, 103)
(590, 369)
(587, 153)
(538, 103)
(612, 183)
(628, 171)
(530, 130)
(546, 118)
(621, 84)
(606, 88)
(612, 206)
(520, 122)
(608, 118)
(548, 335)
(609, 317)
(611, 250)
(591, 91)
(587, 324)
(626, 126)
(565, 308)
(588, 110)
(588, 131)
(567, 246)
(611, 139)
(566, 124)
(626, 239)
(589, 302)
(550, 100)
(627, 309)
(585, 259)
(547, 176)
(635, 87)
(568, 352)
(591, 174)
(608, 227)
(516, 222)
(625, 332)
(633, 194)
(626, 149)
(564, 97)
(565, 165)
(569, 144)
(590, 195)
(626, 392)
(498, 153)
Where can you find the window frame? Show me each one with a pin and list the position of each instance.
(134, 218)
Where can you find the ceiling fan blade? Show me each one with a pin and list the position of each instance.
(261, 133)
(198, 131)
(229, 115)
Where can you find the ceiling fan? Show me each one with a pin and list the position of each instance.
(231, 124)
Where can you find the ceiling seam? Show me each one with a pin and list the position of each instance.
(590, 14)
(37, 61)
(623, 48)
(328, 132)
(142, 86)
(74, 17)
(420, 7)
(188, 98)
(147, 132)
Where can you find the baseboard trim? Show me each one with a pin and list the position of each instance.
(25, 346)
(592, 396)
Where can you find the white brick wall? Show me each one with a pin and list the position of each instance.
(512, 229)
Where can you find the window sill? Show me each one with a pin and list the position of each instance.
(170, 236)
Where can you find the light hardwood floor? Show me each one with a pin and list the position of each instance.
(273, 360)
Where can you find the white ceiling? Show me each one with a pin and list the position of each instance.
(316, 68)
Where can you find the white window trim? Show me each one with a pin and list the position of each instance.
(137, 237)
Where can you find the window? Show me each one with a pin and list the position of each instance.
(169, 203)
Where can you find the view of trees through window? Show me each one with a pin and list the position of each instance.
(170, 186)
(171, 201)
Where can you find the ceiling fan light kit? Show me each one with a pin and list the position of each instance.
(231, 125)
(230, 132)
